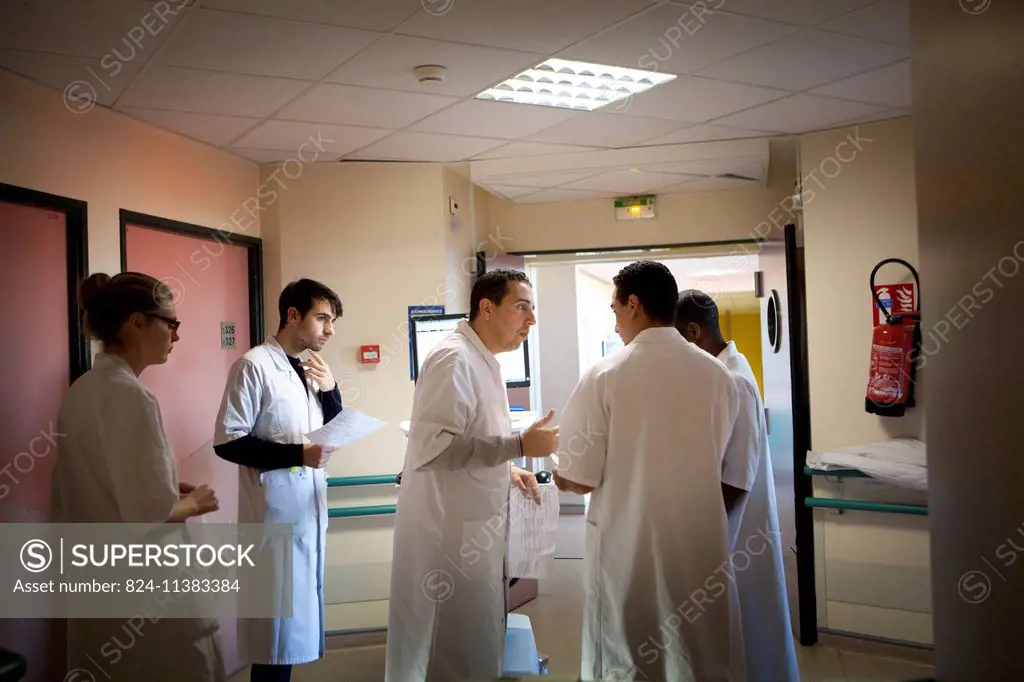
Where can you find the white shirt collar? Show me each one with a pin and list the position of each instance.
(658, 335)
(466, 330)
(104, 360)
(730, 351)
(278, 354)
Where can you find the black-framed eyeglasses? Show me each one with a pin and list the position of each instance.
(171, 322)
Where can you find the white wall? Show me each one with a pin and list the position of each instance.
(681, 218)
(872, 568)
(459, 239)
(595, 320)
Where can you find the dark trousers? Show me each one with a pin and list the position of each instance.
(270, 673)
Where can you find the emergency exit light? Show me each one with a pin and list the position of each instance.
(634, 208)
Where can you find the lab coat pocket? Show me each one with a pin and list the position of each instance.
(283, 492)
(482, 551)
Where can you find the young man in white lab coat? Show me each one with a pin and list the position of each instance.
(448, 598)
(271, 401)
(645, 431)
(748, 489)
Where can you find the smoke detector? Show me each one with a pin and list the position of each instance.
(430, 74)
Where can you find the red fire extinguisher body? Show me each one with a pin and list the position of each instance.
(890, 383)
(893, 343)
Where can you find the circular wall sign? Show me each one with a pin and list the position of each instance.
(774, 322)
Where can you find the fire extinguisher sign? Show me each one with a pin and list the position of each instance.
(897, 299)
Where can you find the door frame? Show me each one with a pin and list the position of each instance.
(76, 238)
(253, 246)
(799, 370)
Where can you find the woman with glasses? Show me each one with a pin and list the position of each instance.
(115, 466)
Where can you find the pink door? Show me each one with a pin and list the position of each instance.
(210, 281)
(36, 369)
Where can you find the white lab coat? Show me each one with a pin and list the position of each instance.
(647, 428)
(755, 537)
(264, 397)
(116, 466)
(448, 599)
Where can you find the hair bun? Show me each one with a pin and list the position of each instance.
(91, 287)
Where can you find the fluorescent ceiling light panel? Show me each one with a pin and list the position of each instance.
(574, 85)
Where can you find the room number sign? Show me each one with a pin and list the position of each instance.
(227, 334)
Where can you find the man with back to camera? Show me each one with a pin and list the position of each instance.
(272, 399)
(449, 595)
(748, 488)
(645, 431)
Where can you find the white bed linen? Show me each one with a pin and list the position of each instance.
(900, 461)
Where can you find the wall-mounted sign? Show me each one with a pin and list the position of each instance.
(634, 208)
(227, 334)
(897, 299)
(419, 311)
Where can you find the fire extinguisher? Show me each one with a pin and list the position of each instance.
(895, 344)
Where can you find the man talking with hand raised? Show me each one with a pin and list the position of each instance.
(449, 587)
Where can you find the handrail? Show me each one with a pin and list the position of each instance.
(863, 505)
(345, 481)
(373, 510)
(838, 473)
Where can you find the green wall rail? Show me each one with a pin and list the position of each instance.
(861, 505)
(346, 481)
(373, 510)
(838, 473)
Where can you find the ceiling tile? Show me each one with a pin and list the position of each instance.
(560, 194)
(261, 46)
(806, 60)
(372, 15)
(552, 179)
(673, 39)
(520, 149)
(887, 21)
(352, 105)
(625, 182)
(82, 80)
(504, 120)
(889, 85)
(711, 185)
(510, 192)
(166, 87)
(123, 31)
(799, 114)
(883, 115)
(316, 139)
(706, 133)
(209, 128)
(697, 99)
(408, 146)
(751, 166)
(802, 12)
(262, 155)
(390, 61)
(606, 130)
(541, 26)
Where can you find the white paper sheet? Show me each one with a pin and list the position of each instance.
(533, 533)
(348, 427)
